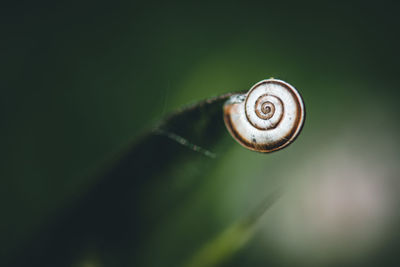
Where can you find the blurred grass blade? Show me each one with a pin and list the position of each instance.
(224, 246)
(138, 190)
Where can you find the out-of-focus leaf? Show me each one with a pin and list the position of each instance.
(221, 248)
(108, 225)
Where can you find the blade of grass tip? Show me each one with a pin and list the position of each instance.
(228, 242)
(110, 214)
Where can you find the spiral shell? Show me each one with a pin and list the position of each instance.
(268, 118)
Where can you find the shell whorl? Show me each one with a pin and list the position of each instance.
(267, 118)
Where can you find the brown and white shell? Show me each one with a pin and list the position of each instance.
(268, 118)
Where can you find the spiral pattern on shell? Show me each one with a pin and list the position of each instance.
(269, 117)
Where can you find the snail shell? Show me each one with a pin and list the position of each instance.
(268, 118)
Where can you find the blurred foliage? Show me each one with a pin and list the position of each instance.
(158, 172)
(83, 81)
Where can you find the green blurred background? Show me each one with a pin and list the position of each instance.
(83, 80)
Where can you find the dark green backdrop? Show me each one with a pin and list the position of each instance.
(82, 80)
